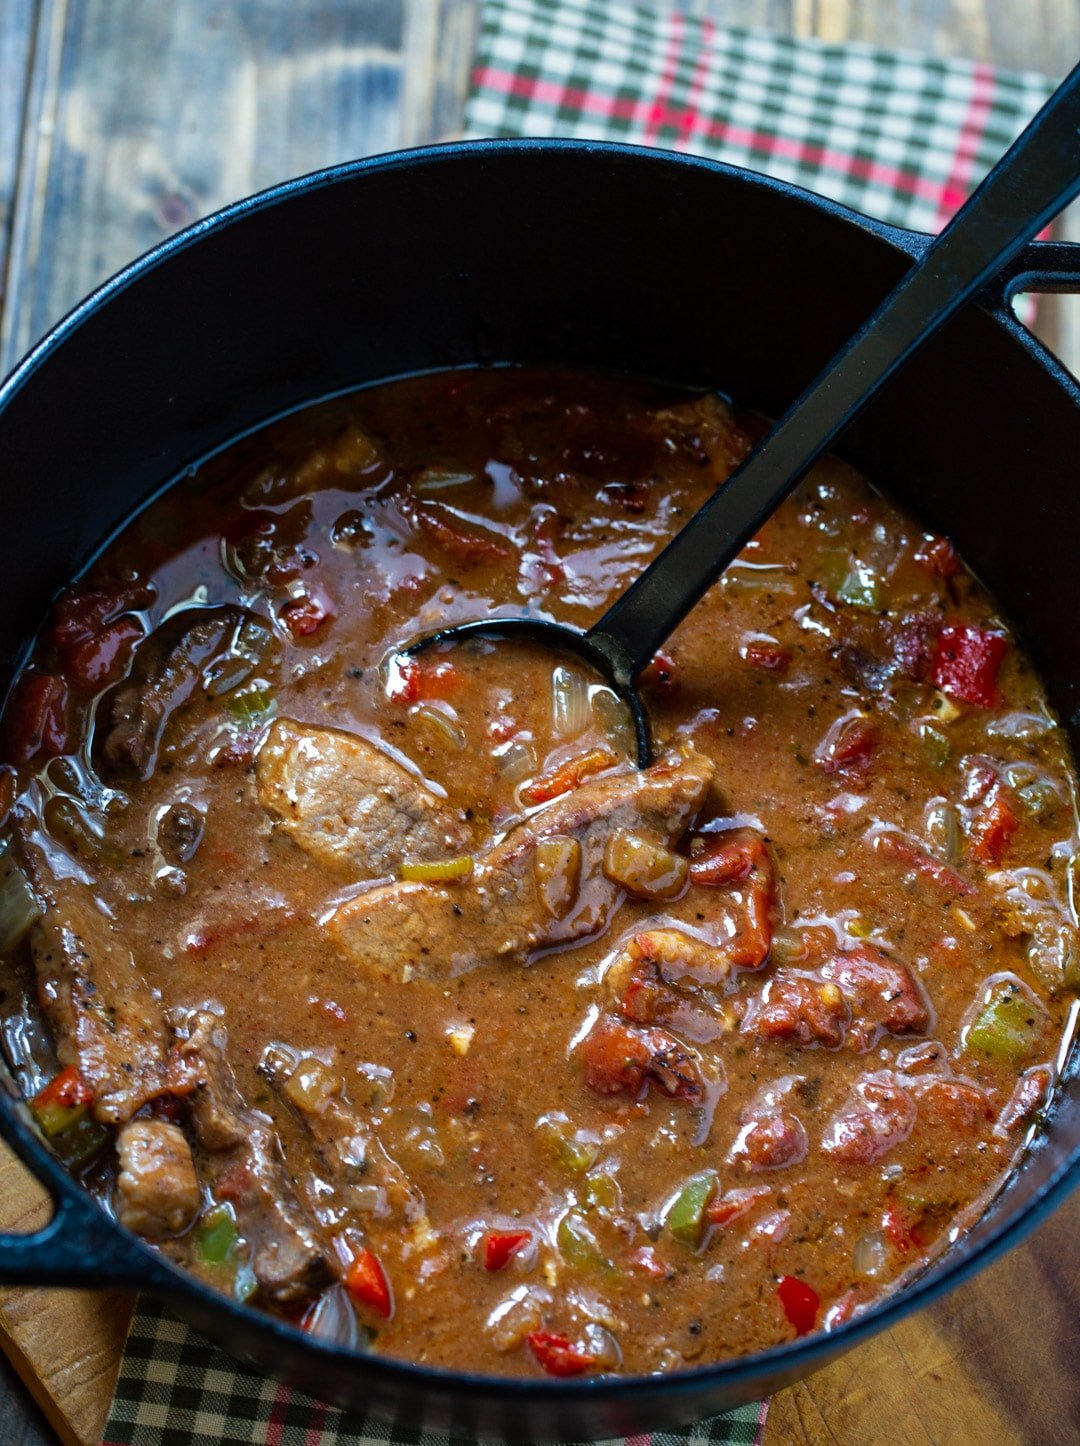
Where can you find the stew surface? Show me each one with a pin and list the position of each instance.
(386, 993)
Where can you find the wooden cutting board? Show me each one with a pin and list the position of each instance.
(997, 1362)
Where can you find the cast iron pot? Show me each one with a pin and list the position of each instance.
(555, 253)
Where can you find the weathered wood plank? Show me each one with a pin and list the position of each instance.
(17, 22)
(154, 115)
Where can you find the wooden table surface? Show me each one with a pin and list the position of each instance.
(123, 120)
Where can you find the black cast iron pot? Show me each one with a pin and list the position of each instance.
(543, 253)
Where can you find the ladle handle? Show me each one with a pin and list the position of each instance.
(1036, 177)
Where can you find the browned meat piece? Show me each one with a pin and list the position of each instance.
(157, 1189)
(243, 1164)
(349, 805)
(770, 1142)
(619, 1059)
(400, 930)
(103, 1014)
(883, 993)
(167, 668)
(952, 1105)
(368, 1181)
(801, 1010)
(180, 832)
(878, 1115)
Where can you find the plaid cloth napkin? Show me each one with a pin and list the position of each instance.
(901, 137)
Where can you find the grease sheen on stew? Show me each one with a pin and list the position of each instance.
(388, 995)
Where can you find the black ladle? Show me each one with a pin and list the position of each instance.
(1036, 177)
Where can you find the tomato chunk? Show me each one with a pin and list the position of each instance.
(991, 831)
(772, 657)
(305, 615)
(410, 681)
(966, 663)
(96, 661)
(558, 1356)
(37, 717)
(366, 1282)
(618, 1059)
(800, 1302)
(500, 1246)
(849, 747)
(938, 556)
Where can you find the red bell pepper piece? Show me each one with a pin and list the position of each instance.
(409, 682)
(366, 1282)
(850, 749)
(966, 663)
(501, 1245)
(557, 1355)
(567, 776)
(800, 1302)
(68, 1089)
(991, 830)
(772, 657)
(903, 1236)
(61, 1102)
(938, 556)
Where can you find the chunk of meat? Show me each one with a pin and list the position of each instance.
(883, 993)
(243, 1163)
(619, 1059)
(801, 1010)
(349, 805)
(770, 1142)
(878, 1115)
(167, 668)
(350, 1151)
(104, 1016)
(952, 1105)
(401, 930)
(157, 1189)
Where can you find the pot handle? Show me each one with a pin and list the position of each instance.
(1050, 266)
(81, 1244)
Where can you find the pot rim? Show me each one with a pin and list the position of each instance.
(143, 1267)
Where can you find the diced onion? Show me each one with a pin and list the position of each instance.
(312, 1085)
(942, 825)
(441, 724)
(869, 1254)
(19, 910)
(445, 871)
(613, 718)
(1022, 726)
(569, 702)
(516, 761)
(440, 479)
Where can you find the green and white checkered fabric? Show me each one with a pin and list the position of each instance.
(176, 1389)
(898, 136)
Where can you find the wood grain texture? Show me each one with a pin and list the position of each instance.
(120, 122)
(17, 23)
